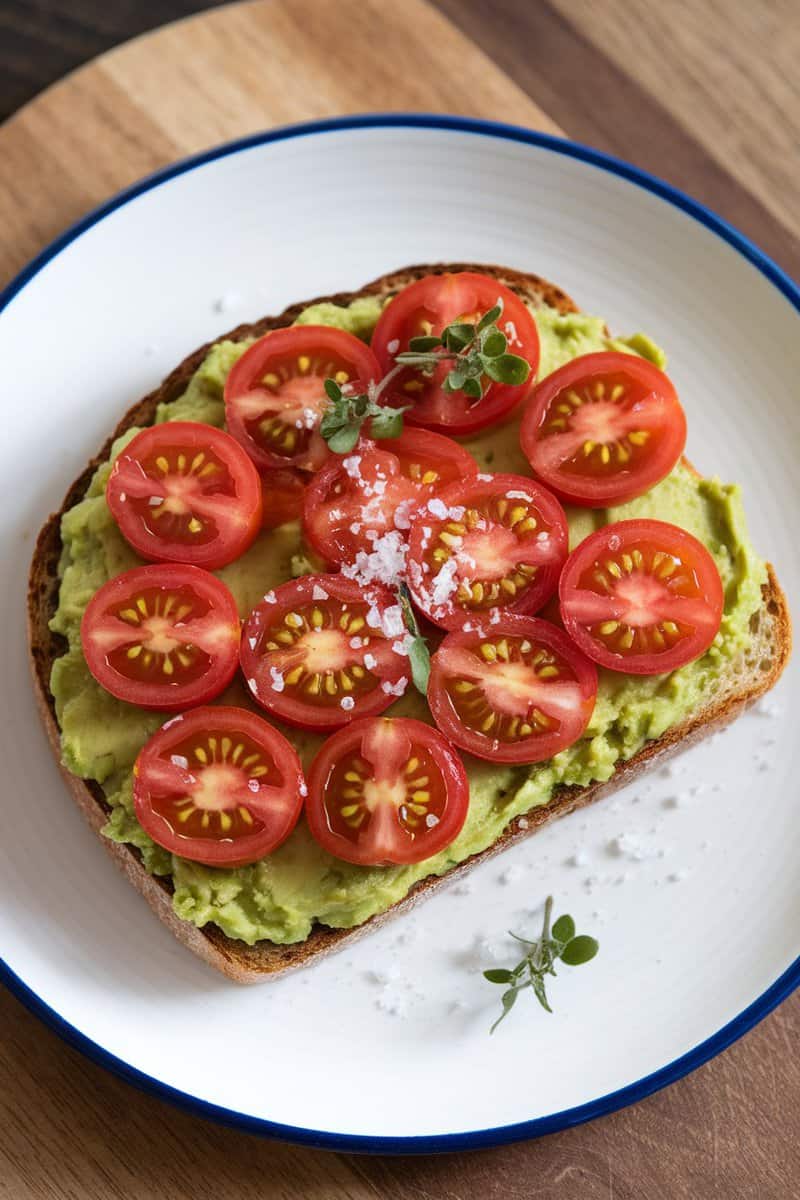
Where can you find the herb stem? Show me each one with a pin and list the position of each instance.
(376, 390)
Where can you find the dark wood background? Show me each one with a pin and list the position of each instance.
(704, 93)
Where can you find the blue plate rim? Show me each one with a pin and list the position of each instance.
(499, 1135)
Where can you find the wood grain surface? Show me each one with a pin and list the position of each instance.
(703, 93)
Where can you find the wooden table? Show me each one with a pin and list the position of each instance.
(704, 94)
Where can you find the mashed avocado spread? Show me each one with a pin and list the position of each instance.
(281, 897)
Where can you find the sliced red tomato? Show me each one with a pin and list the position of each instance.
(185, 492)
(354, 500)
(642, 597)
(603, 429)
(164, 637)
(386, 791)
(274, 394)
(282, 492)
(322, 649)
(426, 307)
(496, 541)
(218, 786)
(515, 690)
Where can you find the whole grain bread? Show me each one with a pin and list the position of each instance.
(746, 679)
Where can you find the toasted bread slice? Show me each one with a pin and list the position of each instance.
(746, 680)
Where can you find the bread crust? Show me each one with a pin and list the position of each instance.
(252, 964)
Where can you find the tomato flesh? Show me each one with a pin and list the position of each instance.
(498, 541)
(603, 429)
(386, 791)
(282, 492)
(321, 650)
(513, 691)
(274, 394)
(163, 637)
(185, 492)
(425, 307)
(218, 786)
(362, 496)
(643, 597)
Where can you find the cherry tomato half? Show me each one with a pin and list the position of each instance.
(603, 429)
(164, 637)
(513, 691)
(386, 791)
(274, 394)
(322, 649)
(358, 498)
(426, 307)
(642, 597)
(218, 786)
(282, 492)
(185, 492)
(496, 541)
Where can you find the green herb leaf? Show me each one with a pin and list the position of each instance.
(491, 316)
(333, 390)
(418, 654)
(581, 949)
(423, 345)
(457, 377)
(508, 1001)
(539, 960)
(564, 929)
(420, 658)
(344, 439)
(387, 423)
(537, 983)
(508, 368)
(457, 337)
(498, 975)
(493, 343)
(333, 419)
(472, 388)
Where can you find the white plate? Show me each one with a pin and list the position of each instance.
(697, 944)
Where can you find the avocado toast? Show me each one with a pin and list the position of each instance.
(635, 724)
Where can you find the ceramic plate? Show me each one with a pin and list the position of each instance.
(386, 1046)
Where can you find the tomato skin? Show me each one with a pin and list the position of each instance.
(226, 502)
(642, 597)
(647, 418)
(208, 639)
(382, 752)
(566, 702)
(282, 492)
(354, 663)
(517, 568)
(296, 360)
(438, 300)
(342, 496)
(271, 789)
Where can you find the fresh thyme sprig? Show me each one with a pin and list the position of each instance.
(560, 942)
(418, 653)
(341, 422)
(474, 352)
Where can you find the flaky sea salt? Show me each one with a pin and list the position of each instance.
(443, 583)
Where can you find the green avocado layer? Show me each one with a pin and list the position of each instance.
(281, 897)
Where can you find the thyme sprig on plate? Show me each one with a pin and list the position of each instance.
(475, 352)
(559, 943)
